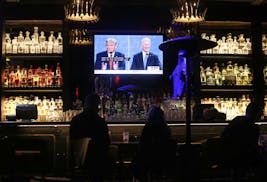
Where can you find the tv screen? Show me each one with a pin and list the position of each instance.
(26, 111)
(128, 54)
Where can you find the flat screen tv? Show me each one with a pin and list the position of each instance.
(26, 111)
(128, 54)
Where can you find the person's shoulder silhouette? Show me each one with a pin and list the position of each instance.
(157, 148)
(88, 124)
(242, 134)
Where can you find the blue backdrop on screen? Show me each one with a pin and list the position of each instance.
(129, 45)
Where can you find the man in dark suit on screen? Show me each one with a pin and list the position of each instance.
(110, 59)
(145, 59)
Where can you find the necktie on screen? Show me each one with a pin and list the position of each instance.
(145, 60)
(110, 61)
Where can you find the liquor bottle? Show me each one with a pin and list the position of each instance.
(35, 78)
(11, 77)
(235, 45)
(30, 77)
(50, 45)
(27, 42)
(248, 46)
(217, 76)
(42, 78)
(60, 43)
(23, 77)
(224, 74)
(58, 75)
(21, 43)
(42, 43)
(56, 47)
(209, 76)
(18, 76)
(215, 50)
(60, 104)
(224, 47)
(32, 46)
(42, 38)
(50, 78)
(35, 34)
(229, 42)
(15, 45)
(8, 43)
(241, 42)
(202, 76)
(51, 36)
(247, 75)
(5, 73)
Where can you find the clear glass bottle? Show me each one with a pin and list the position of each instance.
(8, 44)
(20, 37)
(15, 45)
(229, 42)
(241, 42)
(32, 46)
(224, 46)
(42, 37)
(248, 45)
(35, 34)
(27, 43)
(50, 45)
(51, 37)
(60, 43)
(235, 45)
(56, 47)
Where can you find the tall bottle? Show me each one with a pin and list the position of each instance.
(60, 43)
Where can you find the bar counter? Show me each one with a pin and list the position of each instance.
(47, 143)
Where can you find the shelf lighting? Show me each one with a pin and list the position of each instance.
(81, 10)
(188, 11)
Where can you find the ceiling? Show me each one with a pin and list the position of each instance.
(132, 14)
(132, 2)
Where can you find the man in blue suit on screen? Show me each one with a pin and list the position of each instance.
(145, 60)
(110, 59)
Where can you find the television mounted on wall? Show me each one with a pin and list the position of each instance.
(128, 54)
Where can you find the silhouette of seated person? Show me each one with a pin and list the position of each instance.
(89, 124)
(156, 153)
(241, 138)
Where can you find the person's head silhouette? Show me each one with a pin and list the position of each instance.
(254, 111)
(155, 115)
(92, 102)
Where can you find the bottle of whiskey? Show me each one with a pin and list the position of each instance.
(5, 74)
(30, 77)
(23, 77)
(11, 77)
(18, 76)
(58, 76)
